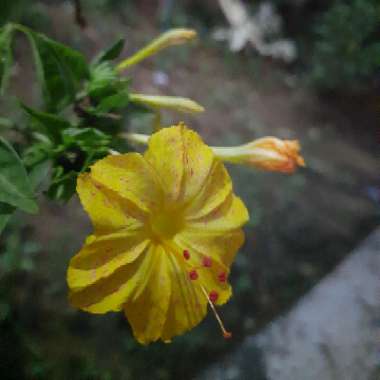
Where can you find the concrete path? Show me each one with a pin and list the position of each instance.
(332, 333)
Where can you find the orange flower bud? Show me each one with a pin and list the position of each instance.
(267, 153)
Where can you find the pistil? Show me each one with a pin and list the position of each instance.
(226, 334)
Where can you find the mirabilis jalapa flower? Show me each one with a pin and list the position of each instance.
(167, 226)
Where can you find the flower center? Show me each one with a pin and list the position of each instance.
(166, 224)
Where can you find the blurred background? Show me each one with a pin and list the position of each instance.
(295, 69)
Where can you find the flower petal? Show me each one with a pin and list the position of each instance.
(216, 189)
(147, 312)
(188, 305)
(231, 214)
(220, 250)
(131, 177)
(182, 160)
(220, 247)
(107, 210)
(111, 293)
(101, 256)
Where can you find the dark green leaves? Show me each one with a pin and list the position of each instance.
(79, 149)
(15, 188)
(60, 70)
(113, 102)
(111, 53)
(6, 59)
(6, 212)
(87, 139)
(84, 108)
(48, 124)
(103, 81)
(346, 54)
(105, 99)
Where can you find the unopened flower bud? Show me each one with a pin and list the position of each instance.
(170, 38)
(267, 153)
(167, 102)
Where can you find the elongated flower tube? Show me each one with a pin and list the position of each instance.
(170, 38)
(175, 103)
(267, 153)
(167, 226)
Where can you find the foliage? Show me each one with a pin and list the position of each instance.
(15, 188)
(346, 53)
(82, 111)
(11, 10)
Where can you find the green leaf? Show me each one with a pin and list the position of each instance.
(6, 212)
(6, 57)
(37, 153)
(113, 102)
(62, 186)
(39, 174)
(111, 53)
(86, 138)
(15, 188)
(49, 124)
(104, 79)
(60, 69)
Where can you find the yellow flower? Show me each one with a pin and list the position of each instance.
(166, 229)
(267, 153)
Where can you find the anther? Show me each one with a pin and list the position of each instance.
(186, 254)
(206, 261)
(193, 274)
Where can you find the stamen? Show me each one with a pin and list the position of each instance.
(226, 334)
(206, 261)
(193, 274)
(186, 254)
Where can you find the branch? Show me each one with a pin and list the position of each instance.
(79, 18)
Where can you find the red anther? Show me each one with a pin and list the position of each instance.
(213, 296)
(222, 277)
(206, 261)
(227, 335)
(186, 254)
(193, 274)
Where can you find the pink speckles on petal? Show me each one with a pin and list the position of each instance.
(193, 274)
(222, 277)
(206, 261)
(213, 296)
